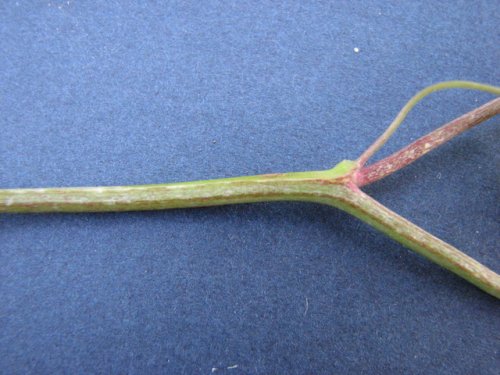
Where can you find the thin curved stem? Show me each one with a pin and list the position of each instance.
(411, 103)
(425, 144)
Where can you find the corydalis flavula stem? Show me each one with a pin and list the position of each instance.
(377, 145)
(336, 187)
(426, 144)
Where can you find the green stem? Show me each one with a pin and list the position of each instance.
(332, 187)
(410, 235)
(271, 187)
(335, 187)
(147, 197)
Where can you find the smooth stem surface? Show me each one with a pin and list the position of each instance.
(412, 102)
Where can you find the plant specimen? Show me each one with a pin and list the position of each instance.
(338, 187)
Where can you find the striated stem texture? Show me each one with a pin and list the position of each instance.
(424, 243)
(338, 187)
(422, 146)
(271, 187)
(332, 187)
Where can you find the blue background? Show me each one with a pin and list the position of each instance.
(117, 92)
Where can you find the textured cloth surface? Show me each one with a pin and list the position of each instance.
(117, 92)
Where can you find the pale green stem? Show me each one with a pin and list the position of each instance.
(424, 243)
(331, 187)
(335, 187)
(272, 187)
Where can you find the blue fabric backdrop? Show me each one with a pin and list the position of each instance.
(125, 92)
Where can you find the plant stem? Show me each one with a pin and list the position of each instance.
(146, 197)
(331, 187)
(427, 143)
(412, 102)
(424, 243)
(338, 187)
(271, 187)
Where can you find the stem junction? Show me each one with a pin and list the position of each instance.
(337, 187)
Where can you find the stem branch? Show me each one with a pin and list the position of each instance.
(338, 187)
(412, 102)
(424, 243)
(427, 143)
